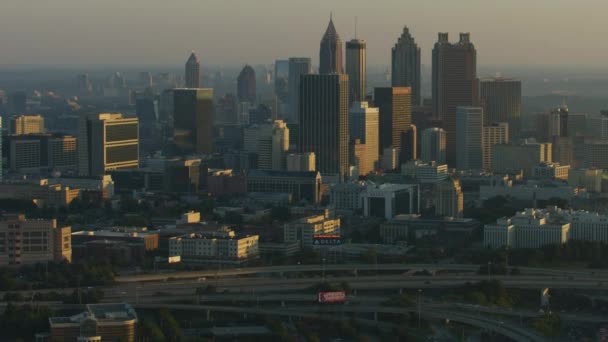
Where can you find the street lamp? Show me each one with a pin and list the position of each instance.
(419, 307)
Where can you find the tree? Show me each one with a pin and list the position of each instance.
(281, 214)
(169, 325)
(149, 331)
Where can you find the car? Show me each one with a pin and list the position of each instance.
(201, 279)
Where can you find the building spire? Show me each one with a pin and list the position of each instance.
(355, 27)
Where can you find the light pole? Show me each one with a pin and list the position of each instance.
(489, 268)
(419, 307)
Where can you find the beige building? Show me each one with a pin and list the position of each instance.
(449, 198)
(27, 124)
(41, 192)
(364, 127)
(301, 161)
(304, 229)
(218, 246)
(99, 322)
(107, 142)
(524, 156)
(551, 171)
(590, 179)
(29, 241)
(269, 142)
(493, 134)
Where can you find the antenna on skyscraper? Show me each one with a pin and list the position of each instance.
(355, 27)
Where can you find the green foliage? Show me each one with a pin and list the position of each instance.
(281, 214)
(486, 292)
(549, 325)
(169, 325)
(149, 331)
(23, 321)
(91, 296)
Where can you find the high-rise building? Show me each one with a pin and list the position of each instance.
(301, 162)
(405, 65)
(33, 153)
(269, 142)
(449, 198)
(356, 69)
(107, 142)
(246, 85)
(1, 148)
(524, 156)
(298, 66)
(454, 84)
(395, 105)
(409, 144)
(493, 134)
(17, 103)
(323, 121)
(193, 72)
(193, 120)
(330, 52)
(501, 100)
(364, 127)
(469, 138)
(27, 124)
(433, 147)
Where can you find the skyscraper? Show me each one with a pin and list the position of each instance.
(193, 120)
(364, 127)
(246, 85)
(107, 142)
(1, 166)
(193, 72)
(269, 142)
(493, 134)
(449, 198)
(405, 65)
(330, 53)
(501, 99)
(409, 145)
(469, 138)
(395, 105)
(356, 69)
(298, 66)
(27, 124)
(454, 83)
(433, 147)
(324, 121)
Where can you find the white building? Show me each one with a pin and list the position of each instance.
(528, 191)
(469, 138)
(427, 173)
(220, 246)
(389, 200)
(390, 158)
(531, 228)
(305, 229)
(347, 196)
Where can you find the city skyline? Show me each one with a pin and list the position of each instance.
(102, 29)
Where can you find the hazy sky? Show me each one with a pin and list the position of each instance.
(543, 32)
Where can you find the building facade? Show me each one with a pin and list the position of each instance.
(305, 229)
(395, 110)
(324, 127)
(469, 138)
(493, 134)
(501, 98)
(330, 52)
(433, 145)
(27, 124)
(405, 65)
(356, 69)
(246, 85)
(454, 84)
(193, 72)
(364, 127)
(298, 66)
(193, 121)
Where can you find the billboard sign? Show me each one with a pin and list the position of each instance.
(326, 240)
(332, 297)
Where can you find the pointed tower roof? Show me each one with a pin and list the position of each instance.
(192, 58)
(331, 32)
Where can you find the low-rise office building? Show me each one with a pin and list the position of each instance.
(304, 185)
(130, 235)
(30, 241)
(222, 246)
(389, 200)
(305, 229)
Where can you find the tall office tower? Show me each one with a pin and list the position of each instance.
(107, 142)
(280, 144)
(269, 142)
(324, 121)
(193, 72)
(298, 66)
(501, 100)
(227, 110)
(84, 84)
(432, 143)
(395, 105)
(356, 69)
(454, 84)
(449, 198)
(409, 145)
(193, 120)
(246, 88)
(493, 134)
(1, 166)
(469, 138)
(17, 103)
(27, 124)
(558, 122)
(364, 127)
(405, 65)
(145, 79)
(281, 80)
(330, 52)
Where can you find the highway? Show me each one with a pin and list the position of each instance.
(319, 268)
